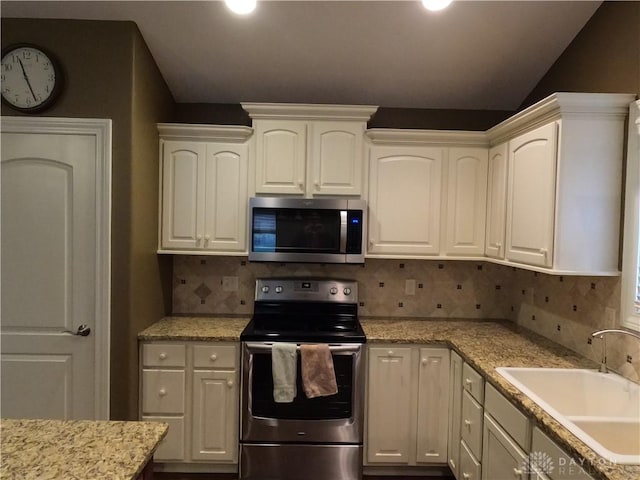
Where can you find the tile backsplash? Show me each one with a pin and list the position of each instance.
(565, 309)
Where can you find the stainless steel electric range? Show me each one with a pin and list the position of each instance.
(308, 438)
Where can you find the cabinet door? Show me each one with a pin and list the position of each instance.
(455, 412)
(404, 200)
(171, 448)
(530, 210)
(215, 416)
(466, 201)
(281, 155)
(501, 456)
(496, 202)
(433, 406)
(336, 158)
(225, 217)
(389, 405)
(182, 194)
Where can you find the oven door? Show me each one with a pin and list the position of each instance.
(336, 418)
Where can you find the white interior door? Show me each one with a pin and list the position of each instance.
(55, 178)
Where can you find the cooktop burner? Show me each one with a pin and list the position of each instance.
(305, 310)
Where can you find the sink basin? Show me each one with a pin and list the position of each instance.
(615, 435)
(601, 409)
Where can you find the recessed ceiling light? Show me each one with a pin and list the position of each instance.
(435, 5)
(241, 7)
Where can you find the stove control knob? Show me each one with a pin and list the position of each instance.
(333, 290)
(265, 289)
(347, 291)
(279, 289)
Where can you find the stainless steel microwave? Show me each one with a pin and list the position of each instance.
(317, 230)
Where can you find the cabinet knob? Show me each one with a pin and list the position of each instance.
(198, 238)
(229, 383)
(207, 238)
(498, 245)
(213, 357)
(467, 381)
(390, 353)
(424, 361)
(544, 251)
(467, 423)
(162, 356)
(517, 472)
(162, 392)
(466, 476)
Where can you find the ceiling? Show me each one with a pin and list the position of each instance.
(473, 55)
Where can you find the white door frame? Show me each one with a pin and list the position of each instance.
(101, 129)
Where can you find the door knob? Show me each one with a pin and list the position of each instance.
(83, 330)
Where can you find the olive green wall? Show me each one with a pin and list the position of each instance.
(109, 73)
(604, 57)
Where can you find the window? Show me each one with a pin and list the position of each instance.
(630, 311)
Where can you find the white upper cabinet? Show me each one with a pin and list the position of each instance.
(404, 200)
(427, 193)
(337, 158)
(204, 189)
(281, 156)
(466, 201)
(530, 208)
(309, 150)
(565, 157)
(496, 201)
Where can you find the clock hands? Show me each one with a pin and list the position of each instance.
(24, 73)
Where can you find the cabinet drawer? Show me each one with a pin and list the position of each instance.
(162, 391)
(470, 468)
(473, 383)
(508, 416)
(471, 428)
(163, 355)
(214, 356)
(566, 468)
(171, 448)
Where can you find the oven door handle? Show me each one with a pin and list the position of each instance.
(353, 348)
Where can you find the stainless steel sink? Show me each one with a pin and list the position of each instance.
(601, 409)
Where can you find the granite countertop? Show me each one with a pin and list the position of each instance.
(215, 328)
(82, 449)
(484, 345)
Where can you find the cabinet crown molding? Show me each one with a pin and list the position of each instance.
(390, 136)
(304, 111)
(226, 133)
(558, 105)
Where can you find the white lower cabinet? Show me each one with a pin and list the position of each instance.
(502, 458)
(466, 397)
(193, 387)
(552, 462)
(407, 405)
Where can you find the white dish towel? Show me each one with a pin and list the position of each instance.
(284, 371)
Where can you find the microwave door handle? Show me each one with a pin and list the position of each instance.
(343, 231)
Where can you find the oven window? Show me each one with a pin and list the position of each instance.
(296, 230)
(302, 408)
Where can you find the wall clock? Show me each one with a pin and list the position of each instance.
(31, 78)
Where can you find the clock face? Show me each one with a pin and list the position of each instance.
(30, 78)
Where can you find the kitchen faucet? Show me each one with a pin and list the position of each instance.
(601, 335)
